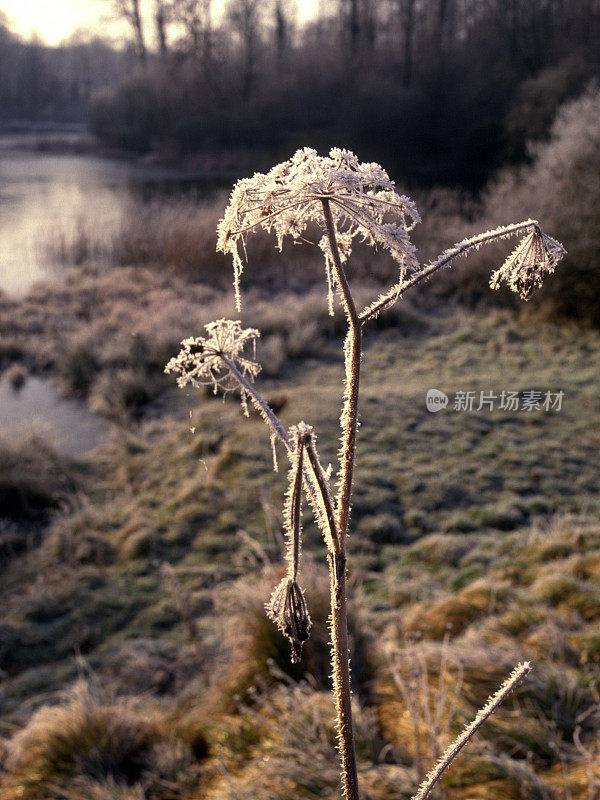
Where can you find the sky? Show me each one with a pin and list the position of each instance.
(56, 20)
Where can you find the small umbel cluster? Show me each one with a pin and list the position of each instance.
(348, 199)
(535, 256)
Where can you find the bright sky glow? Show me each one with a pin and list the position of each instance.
(54, 21)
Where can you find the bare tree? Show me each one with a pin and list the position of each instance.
(245, 19)
(129, 10)
(358, 23)
(408, 27)
(195, 17)
(281, 30)
(443, 23)
(161, 18)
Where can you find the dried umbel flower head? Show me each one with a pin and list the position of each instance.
(208, 360)
(287, 609)
(362, 198)
(525, 267)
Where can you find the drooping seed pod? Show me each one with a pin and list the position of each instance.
(524, 269)
(287, 606)
(287, 609)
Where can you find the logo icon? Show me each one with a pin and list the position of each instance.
(435, 400)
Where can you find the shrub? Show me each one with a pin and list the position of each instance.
(562, 185)
(85, 740)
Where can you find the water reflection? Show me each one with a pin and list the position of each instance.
(38, 408)
(44, 195)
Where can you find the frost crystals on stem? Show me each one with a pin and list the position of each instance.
(453, 749)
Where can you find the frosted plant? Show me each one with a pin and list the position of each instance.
(347, 199)
(216, 360)
(361, 197)
(524, 268)
(287, 606)
(207, 360)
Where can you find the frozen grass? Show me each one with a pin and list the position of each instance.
(33, 478)
(178, 236)
(84, 745)
(506, 548)
(107, 334)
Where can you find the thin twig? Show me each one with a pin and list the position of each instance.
(324, 491)
(260, 403)
(453, 749)
(456, 250)
(316, 485)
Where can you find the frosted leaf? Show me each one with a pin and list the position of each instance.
(362, 198)
(203, 360)
(524, 269)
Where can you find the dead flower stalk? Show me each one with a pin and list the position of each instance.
(348, 199)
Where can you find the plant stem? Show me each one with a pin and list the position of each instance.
(316, 488)
(453, 749)
(341, 674)
(337, 561)
(445, 258)
(260, 404)
(352, 349)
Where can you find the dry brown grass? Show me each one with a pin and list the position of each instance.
(87, 740)
(33, 478)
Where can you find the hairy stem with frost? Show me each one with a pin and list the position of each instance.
(337, 561)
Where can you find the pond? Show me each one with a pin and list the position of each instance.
(48, 185)
(45, 193)
(38, 408)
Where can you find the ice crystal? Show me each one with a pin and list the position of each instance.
(208, 360)
(363, 201)
(525, 267)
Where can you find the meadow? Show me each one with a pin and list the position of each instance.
(136, 659)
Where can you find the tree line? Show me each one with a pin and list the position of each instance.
(441, 91)
(41, 84)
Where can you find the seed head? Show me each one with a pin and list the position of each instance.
(362, 198)
(203, 360)
(525, 267)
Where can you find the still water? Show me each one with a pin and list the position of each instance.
(38, 408)
(45, 196)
